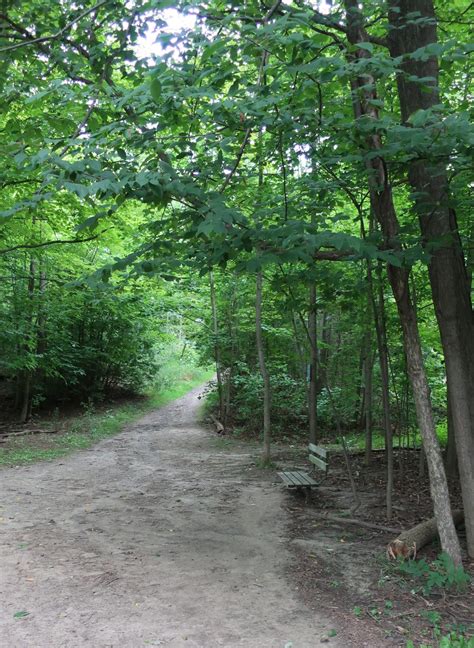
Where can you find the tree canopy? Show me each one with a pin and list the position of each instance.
(311, 161)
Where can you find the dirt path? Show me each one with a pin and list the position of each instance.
(152, 538)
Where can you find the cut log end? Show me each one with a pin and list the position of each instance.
(400, 549)
(409, 542)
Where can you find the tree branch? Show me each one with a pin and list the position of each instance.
(261, 73)
(326, 21)
(322, 19)
(336, 255)
(14, 183)
(45, 39)
(33, 246)
(44, 49)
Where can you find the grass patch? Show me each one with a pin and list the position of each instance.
(356, 440)
(87, 429)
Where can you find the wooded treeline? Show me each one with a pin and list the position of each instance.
(310, 162)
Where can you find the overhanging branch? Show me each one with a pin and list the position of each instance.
(66, 28)
(33, 246)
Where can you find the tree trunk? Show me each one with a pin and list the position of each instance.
(359, 416)
(383, 207)
(451, 455)
(313, 341)
(323, 353)
(378, 310)
(368, 371)
(263, 371)
(233, 309)
(217, 350)
(369, 354)
(449, 279)
(421, 393)
(25, 397)
(25, 407)
(384, 370)
(301, 371)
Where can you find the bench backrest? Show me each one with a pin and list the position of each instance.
(318, 456)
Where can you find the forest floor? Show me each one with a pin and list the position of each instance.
(166, 535)
(346, 565)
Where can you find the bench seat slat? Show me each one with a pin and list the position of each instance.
(302, 478)
(297, 479)
(287, 478)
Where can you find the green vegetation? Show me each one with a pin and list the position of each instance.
(442, 574)
(451, 640)
(93, 426)
(282, 190)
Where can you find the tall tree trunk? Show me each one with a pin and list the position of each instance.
(421, 392)
(25, 396)
(368, 372)
(41, 341)
(378, 309)
(301, 371)
(450, 284)
(230, 322)
(369, 354)
(388, 429)
(217, 349)
(323, 353)
(364, 95)
(313, 342)
(263, 370)
(451, 454)
(359, 417)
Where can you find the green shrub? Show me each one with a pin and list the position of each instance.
(440, 574)
(289, 408)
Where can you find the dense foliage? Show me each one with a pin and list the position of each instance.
(305, 147)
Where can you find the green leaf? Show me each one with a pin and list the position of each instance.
(368, 47)
(155, 90)
(89, 223)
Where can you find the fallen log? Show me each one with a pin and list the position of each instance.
(22, 432)
(219, 427)
(360, 523)
(409, 542)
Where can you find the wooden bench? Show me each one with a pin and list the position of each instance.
(298, 479)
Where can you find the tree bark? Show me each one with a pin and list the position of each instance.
(25, 408)
(313, 342)
(323, 353)
(301, 370)
(451, 455)
(363, 96)
(359, 415)
(368, 371)
(387, 413)
(263, 370)
(354, 521)
(450, 284)
(378, 309)
(217, 350)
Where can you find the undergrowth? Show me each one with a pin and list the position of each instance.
(90, 427)
(440, 574)
(432, 581)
